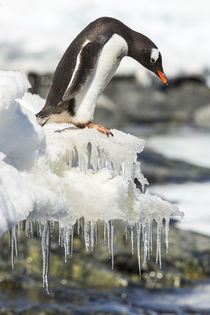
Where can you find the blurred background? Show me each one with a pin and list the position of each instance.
(174, 121)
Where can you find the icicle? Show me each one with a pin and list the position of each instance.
(151, 237)
(45, 253)
(108, 164)
(96, 233)
(139, 246)
(87, 234)
(132, 239)
(112, 243)
(75, 157)
(116, 168)
(27, 229)
(9, 239)
(146, 239)
(123, 169)
(105, 227)
(126, 231)
(13, 244)
(167, 220)
(31, 228)
(158, 249)
(78, 226)
(83, 158)
(22, 225)
(91, 236)
(39, 229)
(102, 159)
(59, 234)
(51, 226)
(12, 252)
(82, 225)
(108, 238)
(72, 239)
(94, 158)
(66, 242)
(71, 157)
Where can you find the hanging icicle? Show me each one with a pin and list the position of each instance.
(45, 253)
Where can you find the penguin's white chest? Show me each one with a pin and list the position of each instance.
(107, 63)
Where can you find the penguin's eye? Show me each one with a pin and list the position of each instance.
(154, 55)
(152, 60)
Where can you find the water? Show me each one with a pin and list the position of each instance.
(130, 300)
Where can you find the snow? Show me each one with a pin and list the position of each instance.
(61, 173)
(34, 36)
(191, 198)
(13, 195)
(20, 143)
(22, 139)
(186, 145)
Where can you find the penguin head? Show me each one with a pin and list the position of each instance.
(152, 60)
(147, 54)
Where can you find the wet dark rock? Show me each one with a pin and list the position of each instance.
(159, 169)
(178, 81)
(40, 84)
(188, 259)
(149, 105)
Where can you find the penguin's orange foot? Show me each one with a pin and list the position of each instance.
(100, 128)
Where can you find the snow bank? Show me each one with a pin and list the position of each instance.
(22, 139)
(21, 142)
(13, 195)
(61, 173)
(193, 199)
(185, 145)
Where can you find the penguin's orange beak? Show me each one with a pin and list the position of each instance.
(163, 77)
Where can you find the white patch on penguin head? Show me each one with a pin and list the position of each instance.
(154, 55)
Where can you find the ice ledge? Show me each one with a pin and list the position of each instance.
(58, 173)
(63, 174)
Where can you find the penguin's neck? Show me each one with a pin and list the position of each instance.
(109, 59)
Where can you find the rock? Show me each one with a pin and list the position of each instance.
(107, 113)
(202, 116)
(149, 105)
(188, 259)
(159, 169)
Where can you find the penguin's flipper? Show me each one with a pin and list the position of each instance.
(85, 65)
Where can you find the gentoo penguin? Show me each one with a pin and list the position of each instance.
(88, 65)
